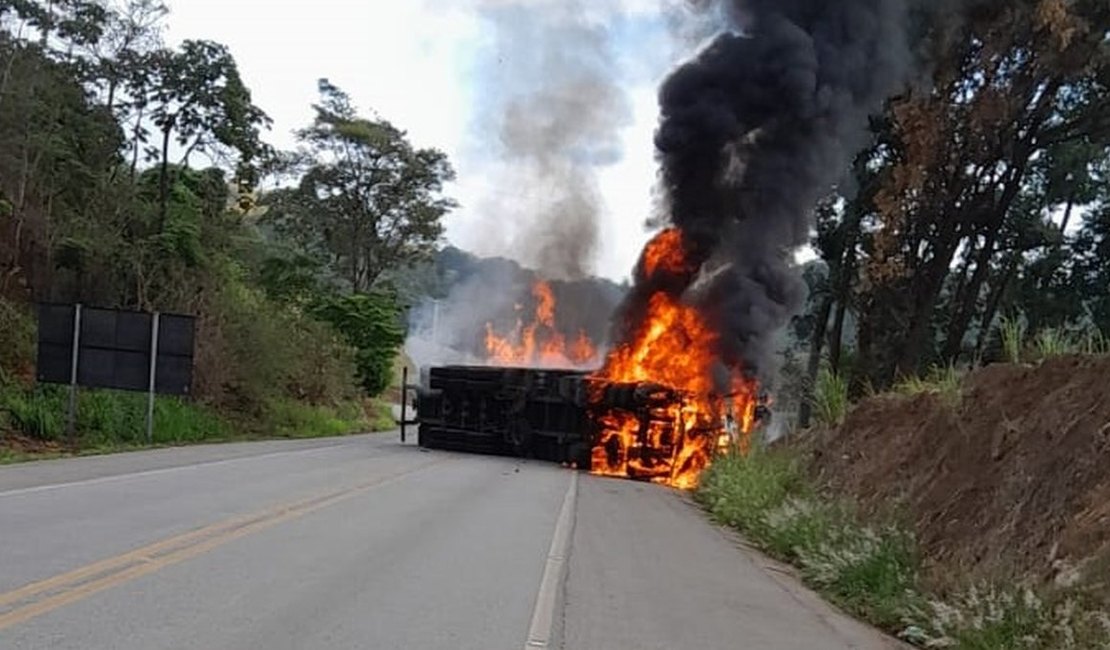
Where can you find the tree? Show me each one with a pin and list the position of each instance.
(963, 200)
(371, 323)
(195, 96)
(367, 201)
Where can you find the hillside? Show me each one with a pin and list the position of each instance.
(1011, 481)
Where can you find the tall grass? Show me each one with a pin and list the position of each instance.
(288, 419)
(1095, 343)
(944, 381)
(108, 419)
(867, 569)
(36, 414)
(1012, 330)
(872, 568)
(830, 397)
(1052, 342)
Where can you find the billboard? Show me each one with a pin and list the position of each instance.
(114, 348)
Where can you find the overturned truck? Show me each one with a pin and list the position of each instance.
(506, 411)
(546, 414)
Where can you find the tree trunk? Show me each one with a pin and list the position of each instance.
(816, 342)
(995, 301)
(836, 338)
(957, 327)
(164, 179)
(136, 144)
(925, 304)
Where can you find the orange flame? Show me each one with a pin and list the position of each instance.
(675, 438)
(540, 343)
(666, 252)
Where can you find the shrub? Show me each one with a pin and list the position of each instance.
(17, 340)
(372, 324)
(39, 414)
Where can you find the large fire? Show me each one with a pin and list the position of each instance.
(540, 343)
(662, 404)
(685, 417)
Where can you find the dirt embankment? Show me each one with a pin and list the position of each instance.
(1015, 480)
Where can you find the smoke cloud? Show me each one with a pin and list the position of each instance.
(753, 131)
(551, 111)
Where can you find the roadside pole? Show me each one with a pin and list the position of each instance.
(71, 415)
(153, 372)
(404, 399)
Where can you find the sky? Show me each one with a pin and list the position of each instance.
(424, 65)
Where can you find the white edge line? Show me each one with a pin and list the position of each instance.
(161, 470)
(543, 616)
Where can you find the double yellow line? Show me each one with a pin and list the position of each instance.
(41, 597)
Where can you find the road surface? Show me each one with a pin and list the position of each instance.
(362, 542)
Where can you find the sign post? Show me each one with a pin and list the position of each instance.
(137, 351)
(71, 416)
(153, 374)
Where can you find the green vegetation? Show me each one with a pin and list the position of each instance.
(1012, 331)
(871, 567)
(298, 323)
(830, 398)
(870, 571)
(944, 381)
(113, 420)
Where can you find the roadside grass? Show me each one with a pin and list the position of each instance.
(872, 568)
(112, 421)
(381, 415)
(943, 381)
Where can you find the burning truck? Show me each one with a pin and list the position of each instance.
(635, 430)
(660, 406)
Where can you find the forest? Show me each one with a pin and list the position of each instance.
(129, 176)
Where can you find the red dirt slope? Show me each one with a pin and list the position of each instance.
(1013, 481)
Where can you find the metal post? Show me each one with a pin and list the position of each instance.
(150, 385)
(71, 416)
(404, 400)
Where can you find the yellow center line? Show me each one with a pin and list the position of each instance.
(72, 586)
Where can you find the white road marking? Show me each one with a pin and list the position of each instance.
(160, 470)
(543, 616)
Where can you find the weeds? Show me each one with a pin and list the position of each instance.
(872, 569)
(288, 419)
(1054, 342)
(1013, 338)
(38, 414)
(1095, 343)
(985, 616)
(944, 381)
(830, 397)
(867, 570)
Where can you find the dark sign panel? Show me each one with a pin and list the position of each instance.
(114, 349)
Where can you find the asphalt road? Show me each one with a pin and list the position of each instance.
(364, 543)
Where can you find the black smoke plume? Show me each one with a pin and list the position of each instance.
(753, 131)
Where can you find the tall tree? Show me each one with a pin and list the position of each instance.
(366, 200)
(1014, 82)
(195, 97)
